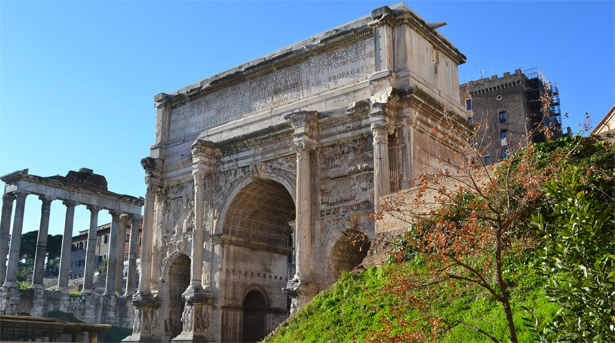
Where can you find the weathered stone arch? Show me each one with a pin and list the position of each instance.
(178, 276)
(258, 289)
(255, 304)
(269, 177)
(349, 251)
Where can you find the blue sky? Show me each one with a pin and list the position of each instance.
(78, 78)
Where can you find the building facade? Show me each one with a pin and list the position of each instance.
(103, 232)
(510, 111)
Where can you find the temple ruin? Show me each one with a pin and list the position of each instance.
(76, 188)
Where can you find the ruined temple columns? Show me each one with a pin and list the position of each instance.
(133, 247)
(5, 227)
(197, 308)
(90, 254)
(304, 138)
(10, 282)
(112, 261)
(41, 243)
(67, 240)
(119, 258)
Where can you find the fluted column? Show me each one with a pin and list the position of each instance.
(121, 247)
(90, 254)
(5, 227)
(147, 307)
(41, 243)
(146, 240)
(302, 288)
(197, 308)
(380, 129)
(133, 247)
(67, 241)
(10, 281)
(112, 260)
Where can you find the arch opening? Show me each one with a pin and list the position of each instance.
(349, 251)
(179, 280)
(254, 309)
(258, 243)
(261, 212)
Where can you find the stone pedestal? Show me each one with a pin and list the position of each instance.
(196, 318)
(9, 300)
(38, 302)
(301, 290)
(147, 312)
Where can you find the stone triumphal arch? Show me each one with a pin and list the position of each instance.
(262, 176)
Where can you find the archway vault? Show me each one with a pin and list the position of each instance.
(260, 212)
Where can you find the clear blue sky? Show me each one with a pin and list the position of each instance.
(78, 78)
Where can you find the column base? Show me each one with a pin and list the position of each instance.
(301, 289)
(146, 318)
(38, 301)
(196, 317)
(9, 300)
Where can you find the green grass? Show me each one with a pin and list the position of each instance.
(345, 312)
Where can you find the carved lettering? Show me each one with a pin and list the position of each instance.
(344, 66)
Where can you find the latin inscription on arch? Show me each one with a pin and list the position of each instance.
(334, 69)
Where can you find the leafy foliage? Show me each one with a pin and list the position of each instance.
(578, 258)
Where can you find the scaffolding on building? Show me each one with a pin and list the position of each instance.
(540, 88)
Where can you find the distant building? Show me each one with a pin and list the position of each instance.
(606, 124)
(511, 107)
(79, 245)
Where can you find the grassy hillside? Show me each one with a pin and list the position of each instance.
(357, 304)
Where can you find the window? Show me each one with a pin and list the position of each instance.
(503, 117)
(80, 245)
(471, 120)
(504, 153)
(469, 104)
(139, 241)
(127, 238)
(503, 136)
(106, 239)
(487, 159)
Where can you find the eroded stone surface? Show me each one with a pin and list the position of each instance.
(277, 164)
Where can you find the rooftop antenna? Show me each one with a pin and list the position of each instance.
(481, 73)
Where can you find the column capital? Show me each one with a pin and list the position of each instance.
(150, 165)
(134, 216)
(124, 217)
(70, 203)
(94, 208)
(115, 213)
(305, 124)
(21, 194)
(8, 197)
(204, 157)
(46, 199)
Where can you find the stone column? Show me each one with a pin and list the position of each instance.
(112, 259)
(41, 243)
(5, 227)
(90, 254)
(67, 241)
(380, 129)
(10, 282)
(146, 306)
(133, 248)
(302, 287)
(121, 247)
(197, 300)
